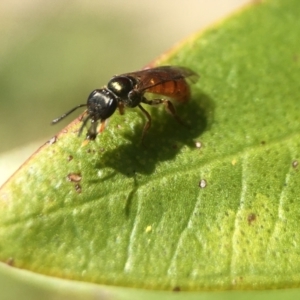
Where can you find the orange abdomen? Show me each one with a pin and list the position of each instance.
(177, 89)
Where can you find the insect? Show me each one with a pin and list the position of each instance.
(128, 90)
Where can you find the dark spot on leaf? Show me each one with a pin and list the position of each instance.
(78, 188)
(202, 183)
(263, 142)
(52, 140)
(70, 157)
(74, 177)
(89, 151)
(176, 289)
(295, 163)
(10, 261)
(251, 218)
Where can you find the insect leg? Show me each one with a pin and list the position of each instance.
(83, 125)
(102, 125)
(168, 106)
(121, 108)
(148, 123)
(92, 131)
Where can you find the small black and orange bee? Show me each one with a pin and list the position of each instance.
(128, 90)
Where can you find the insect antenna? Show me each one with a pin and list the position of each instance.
(66, 114)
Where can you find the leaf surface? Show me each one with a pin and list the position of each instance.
(212, 207)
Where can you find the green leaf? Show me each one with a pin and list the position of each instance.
(212, 207)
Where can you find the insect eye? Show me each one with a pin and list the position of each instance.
(120, 86)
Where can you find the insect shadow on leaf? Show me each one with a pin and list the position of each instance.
(164, 140)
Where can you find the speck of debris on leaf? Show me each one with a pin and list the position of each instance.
(70, 157)
(295, 163)
(202, 183)
(52, 140)
(148, 228)
(198, 145)
(74, 177)
(78, 188)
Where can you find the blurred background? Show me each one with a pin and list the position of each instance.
(54, 53)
